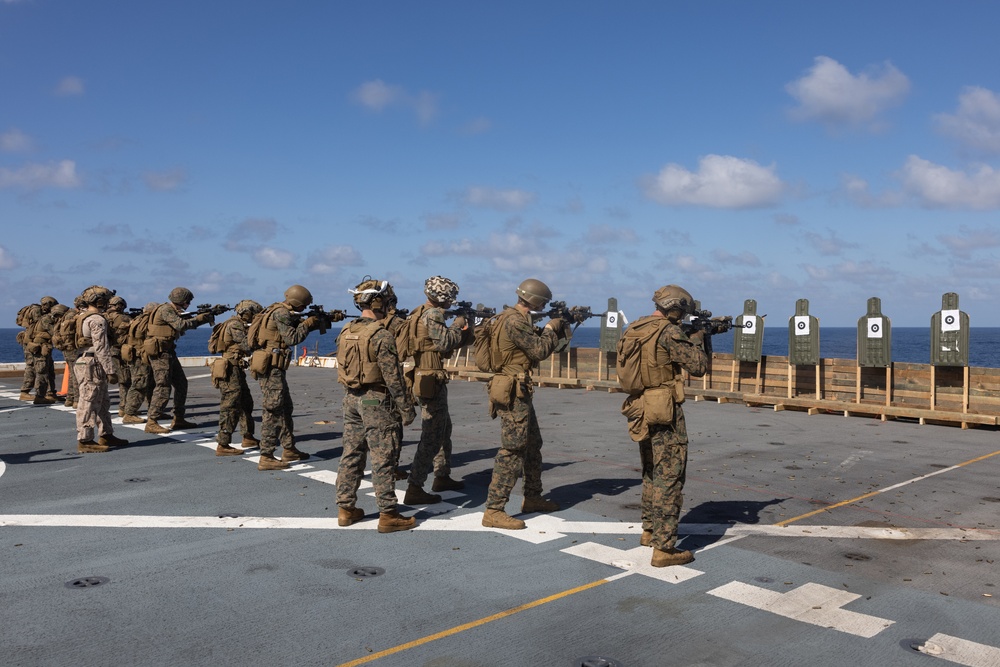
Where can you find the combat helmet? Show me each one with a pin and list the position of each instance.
(534, 292)
(117, 304)
(59, 309)
(391, 300)
(248, 308)
(371, 293)
(79, 302)
(298, 297)
(440, 289)
(180, 296)
(671, 297)
(96, 295)
(47, 302)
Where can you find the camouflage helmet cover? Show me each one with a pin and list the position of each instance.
(298, 297)
(248, 307)
(391, 300)
(440, 289)
(117, 304)
(150, 307)
(59, 309)
(47, 302)
(670, 297)
(370, 293)
(96, 295)
(79, 302)
(534, 292)
(180, 296)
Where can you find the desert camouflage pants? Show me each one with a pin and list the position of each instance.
(520, 452)
(434, 448)
(167, 374)
(124, 374)
(141, 388)
(664, 468)
(93, 404)
(276, 427)
(72, 387)
(370, 424)
(28, 383)
(235, 404)
(44, 384)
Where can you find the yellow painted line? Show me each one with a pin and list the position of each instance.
(474, 624)
(888, 488)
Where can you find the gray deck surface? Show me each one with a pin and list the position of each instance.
(821, 540)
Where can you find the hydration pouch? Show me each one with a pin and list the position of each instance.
(151, 347)
(658, 406)
(426, 384)
(128, 353)
(220, 371)
(260, 362)
(501, 391)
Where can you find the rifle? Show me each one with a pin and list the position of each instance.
(134, 312)
(576, 316)
(702, 320)
(465, 309)
(326, 317)
(204, 309)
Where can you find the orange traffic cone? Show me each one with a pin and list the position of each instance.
(65, 381)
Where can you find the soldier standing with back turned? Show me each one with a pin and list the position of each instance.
(236, 402)
(118, 323)
(94, 369)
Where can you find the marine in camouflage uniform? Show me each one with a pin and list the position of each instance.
(230, 378)
(280, 329)
(521, 346)
(43, 334)
(118, 322)
(28, 382)
(375, 398)
(141, 374)
(94, 369)
(165, 326)
(664, 452)
(394, 322)
(432, 341)
(66, 343)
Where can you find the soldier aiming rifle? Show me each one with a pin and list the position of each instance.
(575, 315)
(205, 309)
(702, 320)
(324, 318)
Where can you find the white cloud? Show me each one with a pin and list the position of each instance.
(7, 260)
(499, 200)
(857, 190)
(828, 245)
(976, 123)
(164, 181)
(377, 96)
(967, 240)
(249, 232)
(274, 258)
(15, 141)
(831, 94)
(722, 181)
(329, 259)
(443, 220)
(69, 87)
(940, 187)
(36, 176)
(745, 258)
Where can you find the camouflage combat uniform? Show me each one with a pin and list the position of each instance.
(43, 334)
(66, 343)
(664, 452)
(23, 337)
(279, 333)
(394, 323)
(165, 326)
(118, 333)
(92, 368)
(236, 401)
(433, 340)
(522, 346)
(140, 372)
(371, 417)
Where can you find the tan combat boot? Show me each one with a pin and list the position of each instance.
(538, 504)
(25, 396)
(90, 447)
(111, 440)
(347, 516)
(417, 496)
(250, 442)
(70, 403)
(500, 519)
(447, 484)
(390, 522)
(152, 426)
(291, 454)
(268, 462)
(133, 419)
(226, 450)
(664, 558)
(646, 539)
(181, 423)
(43, 400)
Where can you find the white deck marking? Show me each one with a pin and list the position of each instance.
(633, 560)
(853, 459)
(810, 603)
(961, 651)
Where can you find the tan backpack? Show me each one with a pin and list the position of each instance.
(636, 364)
(355, 365)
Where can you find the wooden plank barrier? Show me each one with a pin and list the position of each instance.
(962, 396)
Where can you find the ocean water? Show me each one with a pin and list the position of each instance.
(909, 344)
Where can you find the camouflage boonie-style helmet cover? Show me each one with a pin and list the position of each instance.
(180, 296)
(298, 297)
(370, 293)
(440, 289)
(96, 294)
(669, 297)
(248, 307)
(534, 292)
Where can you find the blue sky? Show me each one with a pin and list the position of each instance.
(772, 151)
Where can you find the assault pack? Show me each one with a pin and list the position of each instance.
(636, 365)
(24, 316)
(355, 365)
(486, 345)
(137, 330)
(216, 342)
